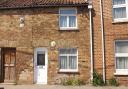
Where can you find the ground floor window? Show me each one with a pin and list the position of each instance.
(68, 59)
(121, 56)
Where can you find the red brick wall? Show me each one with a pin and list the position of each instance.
(97, 37)
(113, 31)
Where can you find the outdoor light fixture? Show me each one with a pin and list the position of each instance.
(22, 21)
(53, 43)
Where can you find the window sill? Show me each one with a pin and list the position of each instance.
(68, 29)
(120, 73)
(120, 21)
(68, 71)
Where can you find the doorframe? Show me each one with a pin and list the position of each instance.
(45, 50)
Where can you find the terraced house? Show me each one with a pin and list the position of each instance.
(44, 41)
(47, 41)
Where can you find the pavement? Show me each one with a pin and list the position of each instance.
(57, 87)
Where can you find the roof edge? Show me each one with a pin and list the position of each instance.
(44, 5)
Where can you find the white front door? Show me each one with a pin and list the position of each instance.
(40, 65)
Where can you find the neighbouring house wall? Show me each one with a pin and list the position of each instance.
(41, 27)
(97, 36)
(113, 31)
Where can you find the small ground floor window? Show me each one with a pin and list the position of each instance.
(68, 59)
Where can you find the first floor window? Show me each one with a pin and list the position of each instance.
(68, 59)
(120, 8)
(121, 54)
(68, 18)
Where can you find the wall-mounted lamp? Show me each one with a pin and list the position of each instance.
(53, 43)
(22, 21)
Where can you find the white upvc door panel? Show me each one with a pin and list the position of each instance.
(40, 65)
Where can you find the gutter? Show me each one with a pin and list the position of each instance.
(103, 40)
(91, 39)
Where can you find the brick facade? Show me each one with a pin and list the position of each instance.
(40, 29)
(112, 31)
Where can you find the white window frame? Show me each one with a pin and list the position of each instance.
(68, 55)
(119, 6)
(67, 15)
(120, 71)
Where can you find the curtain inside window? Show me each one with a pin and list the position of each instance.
(72, 62)
(72, 21)
(63, 62)
(122, 63)
(119, 12)
(63, 21)
(117, 2)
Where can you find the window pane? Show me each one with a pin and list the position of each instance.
(72, 62)
(63, 62)
(73, 51)
(122, 63)
(40, 59)
(119, 12)
(70, 11)
(117, 2)
(122, 47)
(68, 51)
(63, 21)
(72, 21)
(62, 51)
